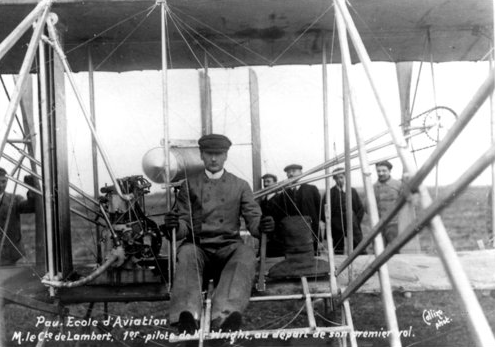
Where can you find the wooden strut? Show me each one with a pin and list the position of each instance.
(386, 290)
(415, 181)
(327, 164)
(328, 206)
(476, 319)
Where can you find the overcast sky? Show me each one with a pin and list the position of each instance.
(129, 116)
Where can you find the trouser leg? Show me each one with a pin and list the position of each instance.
(390, 233)
(188, 280)
(234, 287)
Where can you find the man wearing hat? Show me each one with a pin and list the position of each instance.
(11, 207)
(338, 212)
(304, 200)
(207, 218)
(387, 192)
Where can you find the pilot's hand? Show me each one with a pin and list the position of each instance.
(171, 222)
(267, 224)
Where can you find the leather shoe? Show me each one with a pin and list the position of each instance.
(232, 322)
(187, 323)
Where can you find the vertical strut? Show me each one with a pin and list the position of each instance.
(166, 138)
(94, 150)
(328, 208)
(386, 290)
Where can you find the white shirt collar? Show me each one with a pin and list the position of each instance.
(1, 196)
(214, 176)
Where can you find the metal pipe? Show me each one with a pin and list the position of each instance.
(12, 141)
(289, 297)
(73, 210)
(347, 148)
(166, 138)
(100, 270)
(22, 27)
(109, 225)
(94, 150)
(355, 167)
(46, 168)
(21, 82)
(386, 290)
(58, 49)
(328, 209)
(332, 162)
(476, 319)
(430, 213)
(349, 322)
(413, 184)
(309, 304)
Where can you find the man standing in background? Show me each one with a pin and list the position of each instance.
(11, 207)
(387, 192)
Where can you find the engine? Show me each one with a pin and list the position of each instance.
(127, 223)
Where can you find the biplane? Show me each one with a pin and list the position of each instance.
(55, 39)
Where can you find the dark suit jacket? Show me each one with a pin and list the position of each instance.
(13, 248)
(338, 217)
(305, 202)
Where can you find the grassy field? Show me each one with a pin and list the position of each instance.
(465, 221)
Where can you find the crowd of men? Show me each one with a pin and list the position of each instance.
(206, 219)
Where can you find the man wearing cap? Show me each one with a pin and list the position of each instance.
(11, 207)
(207, 218)
(303, 200)
(387, 192)
(338, 212)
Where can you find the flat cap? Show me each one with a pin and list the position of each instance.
(214, 143)
(269, 175)
(293, 167)
(338, 171)
(385, 163)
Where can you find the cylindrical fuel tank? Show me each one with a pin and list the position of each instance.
(184, 161)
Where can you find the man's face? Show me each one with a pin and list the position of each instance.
(339, 179)
(294, 173)
(267, 182)
(383, 173)
(3, 184)
(213, 161)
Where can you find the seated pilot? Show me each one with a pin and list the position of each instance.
(207, 218)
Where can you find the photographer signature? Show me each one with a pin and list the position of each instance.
(437, 317)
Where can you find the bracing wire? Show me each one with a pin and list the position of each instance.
(266, 60)
(375, 38)
(96, 36)
(302, 34)
(126, 37)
